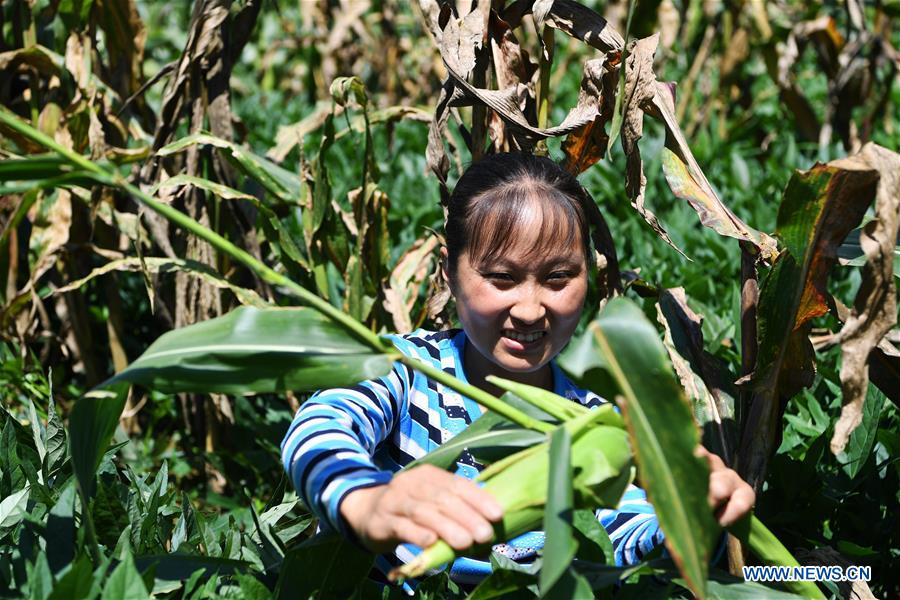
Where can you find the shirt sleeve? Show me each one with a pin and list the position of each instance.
(328, 449)
(633, 528)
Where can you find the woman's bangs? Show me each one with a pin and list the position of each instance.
(541, 223)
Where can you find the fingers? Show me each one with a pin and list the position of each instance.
(729, 496)
(430, 516)
(454, 508)
(408, 530)
(478, 498)
(739, 504)
(428, 499)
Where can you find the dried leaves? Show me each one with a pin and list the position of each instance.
(640, 84)
(819, 209)
(875, 308)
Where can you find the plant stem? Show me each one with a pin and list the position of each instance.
(766, 546)
(489, 401)
(87, 521)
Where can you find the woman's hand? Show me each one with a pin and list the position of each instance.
(729, 496)
(419, 506)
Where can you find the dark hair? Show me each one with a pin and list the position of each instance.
(491, 198)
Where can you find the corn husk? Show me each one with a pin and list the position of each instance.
(602, 465)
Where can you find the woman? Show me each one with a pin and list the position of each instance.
(516, 259)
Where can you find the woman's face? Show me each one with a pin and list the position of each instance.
(520, 310)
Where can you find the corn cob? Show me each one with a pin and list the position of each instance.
(602, 466)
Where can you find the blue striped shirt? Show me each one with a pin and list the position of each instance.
(344, 439)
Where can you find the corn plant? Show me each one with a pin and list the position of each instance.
(90, 97)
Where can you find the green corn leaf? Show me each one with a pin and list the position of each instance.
(593, 542)
(862, 439)
(178, 567)
(282, 184)
(76, 582)
(253, 350)
(560, 546)
(125, 582)
(624, 344)
(770, 551)
(12, 509)
(744, 590)
(329, 566)
(35, 166)
(91, 425)
(489, 431)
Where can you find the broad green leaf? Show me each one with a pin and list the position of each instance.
(76, 582)
(125, 583)
(169, 567)
(253, 350)
(560, 545)
(327, 566)
(277, 181)
(593, 542)
(39, 579)
(55, 440)
(503, 584)
(859, 446)
(571, 584)
(252, 588)
(488, 431)
(819, 209)
(12, 508)
(91, 425)
(11, 476)
(744, 590)
(661, 427)
(770, 551)
(60, 534)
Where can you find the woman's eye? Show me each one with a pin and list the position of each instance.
(559, 275)
(498, 276)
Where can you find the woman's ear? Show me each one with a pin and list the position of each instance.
(445, 265)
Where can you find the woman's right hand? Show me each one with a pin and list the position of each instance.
(420, 506)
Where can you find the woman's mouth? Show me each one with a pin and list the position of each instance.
(519, 341)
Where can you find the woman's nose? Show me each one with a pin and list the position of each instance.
(528, 308)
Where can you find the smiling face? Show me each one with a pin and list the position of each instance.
(519, 306)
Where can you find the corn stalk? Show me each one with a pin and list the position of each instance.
(600, 452)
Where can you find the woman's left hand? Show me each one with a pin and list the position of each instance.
(730, 497)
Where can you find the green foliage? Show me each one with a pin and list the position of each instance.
(184, 506)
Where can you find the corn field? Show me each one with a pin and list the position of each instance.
(209, 210)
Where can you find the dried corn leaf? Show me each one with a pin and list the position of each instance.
(704, 378)
(156, 265)
(820, 207)
(584, 24)
(875, 307)
(402, 288)
(688, 182)
(640, 86)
